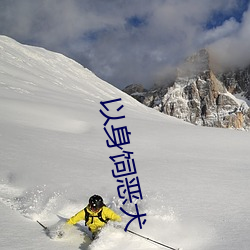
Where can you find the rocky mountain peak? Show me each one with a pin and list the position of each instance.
(200, 96)
(196, 64)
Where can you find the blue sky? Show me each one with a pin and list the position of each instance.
(132, 41)
(218, 17)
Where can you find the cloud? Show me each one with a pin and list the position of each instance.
(125, 42)
(228, 28)
(233, 49)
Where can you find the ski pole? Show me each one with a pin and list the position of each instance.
(45, 228)
(159, 243)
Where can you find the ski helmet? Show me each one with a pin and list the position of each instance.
(96, 202)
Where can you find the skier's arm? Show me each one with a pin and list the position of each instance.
(110, 214)
(77, 217)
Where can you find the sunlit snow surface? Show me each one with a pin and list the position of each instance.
(195, 181)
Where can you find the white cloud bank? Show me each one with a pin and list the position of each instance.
(129, 41)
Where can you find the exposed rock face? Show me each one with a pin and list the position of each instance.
(137, 91)
(237, 81)
(199, 97)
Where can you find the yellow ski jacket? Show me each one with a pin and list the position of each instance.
(94, 223)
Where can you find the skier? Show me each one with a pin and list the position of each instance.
(95, 214)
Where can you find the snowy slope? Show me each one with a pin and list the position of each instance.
(195, 181)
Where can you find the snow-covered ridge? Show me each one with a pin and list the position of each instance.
(34, 66)
(51, 137)
(194, 180)
(33, 74)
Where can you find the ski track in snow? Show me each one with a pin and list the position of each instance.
(31, 204)
(36, 205)
(39, 204)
